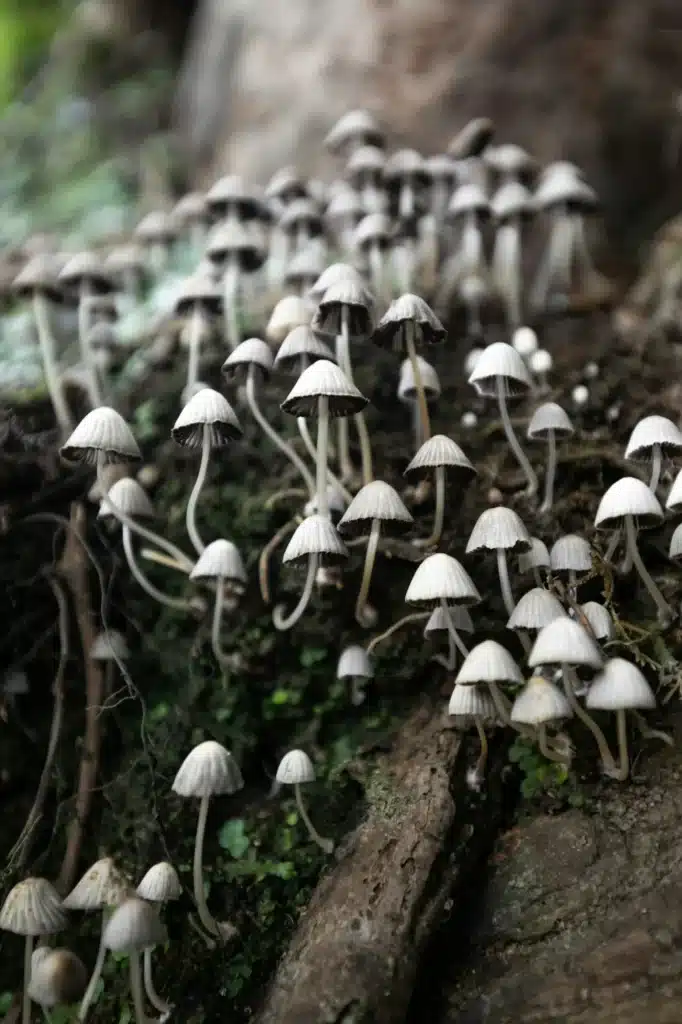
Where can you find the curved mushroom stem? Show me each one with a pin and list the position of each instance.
(308, 442)
(210, 924)
(550, 752)
(177, 603)
(451, 660)
(505, 585)
(656, 464)
(612, 545)
(136, 988)
(607, 757)
(284, 495)
(503, 706)
(550, 474)
(264, 559)
(196, 331)
(452, 632)
(154, 998)
(92, 380)
(413, 617)
(623, 756)
(361, 611)
(191, 512)
(322, 455)
(479, 768)
(89, 995)
(48, 352)
(26, 999)
(418, 382)
(513, 440)
(325, 844)
(270, 432)
(439, 514)
(278, 619)
(664, 611)
(231, 301)
(647, 733)
(221, 657)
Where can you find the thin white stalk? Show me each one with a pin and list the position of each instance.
(49, 355)
(93, 389)
(26, 999)
(342, 347)
(283, 623)
(550, 474)
(310, 446)
(513, 440)
(196, 332)
(623, 755)
(412, 617)
(439, 514)
(406, 201)
(136, 988)
(231, 302)
(191, 513)
(361, 612)
(177, 603)
(505, 585)
(89, 995)
(219, 603)
(549, 752)
(607, 757)
(376, 270)
(343, 351)
(450, 661)
(322, 455)
(663, 609)
(471, 245)
(154, 998)
(418, 382)
(656, 465)
(326, 844)
(452, 631)
(507, 269)
(270, 432)
(208, 921)
(365, 448)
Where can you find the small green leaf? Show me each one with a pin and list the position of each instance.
(232, 837)
(280, 697)
(312, 656)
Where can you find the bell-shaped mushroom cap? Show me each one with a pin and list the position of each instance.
(511, 200)
(286, 184)
(468, 198)
(324, 378)
(376, 500)
(628, 497)
(354, 125)
(301, 343)
(675, 550)
(674, 500)
(33, 907)
(348, 297)
(570, 553)
(335, 502)
(198, 291)
(231, 240)
(408, 312)
(525, 342)
(599, 619)
(291, 311)
(252, 352)
(373, 229)
(345, 205)
(536, 557)
(500, 362)
(652, 432)
(354, 663)
(407, 385)
(472, 702)
(190, 207)
(208, 770)
(160, 884)
(304, 265)
(438, 623)
(499, 528)
(618, 686)
(509, 159)
(39, 276)
(561, 184)
(440, 450)
(299, 212)
(535, 609)
(540, 701)
(58, 976)
(405, 163)
(126, 257)
(134, 926)
(219, 560)
(472, 139)
(548, 419)
(365, 162)
(489, 662)
(334, 274)
(104, 431)
(564, 641)
(441, 577)
(128, 496)
(86, 267)
(316, 535)
(102, 885)
(157, 226)
(206, 408)
(295, 768)
(441, 167)
(109, 645)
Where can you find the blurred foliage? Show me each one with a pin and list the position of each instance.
(26, 30)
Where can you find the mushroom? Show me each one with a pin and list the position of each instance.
(157, 232)
(511, 206)
(598, 619)
(490, 664)
(220, 561)
(571, 554)
(376, 502)
(208, 770)
(406, 175)
(534, 559)
(301, 222)
(525, 342)
(652, 438)
(58, 977)
(197, 299)
(354, 664)
(126, 263)
(620, 686)
(354, 129)
(536, 609)
(32, 907)
(441, 171)
(407, 392)
(232, 200)
(511, 164)
(132, 928)
(191, 213)
(313, 539)
(111, 648)
(541, 363)
(439, 453)
(296, 769)
(440, 581)
(372, 238)
(207, 421)
(86, 274)
(501, 530)
(469, 205)
(439, 623)
(539, 704)
(501, 372)
(547, 423)
(365, 171)
(160, 885)
(236, 251)
(343, 214)
(626, 500)
(472, 140)
(290, 312)
(305, 266)
(471, 704)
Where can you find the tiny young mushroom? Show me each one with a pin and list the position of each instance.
(290, 312)
(220, 561)
(87, 276)
(296, 769)
(133, 927)
(441, 581)
(365, 173)
(354, 129)
(407, 392)
(652, 438)
(236, 251)
(511, 206)
(438, 454)
(314, 539)
(539, 704)
(534, 559)
(489, 664)
(160, 885)
(598, 619)
(207, 421)
(620, 687)
(541, 364)
(547, 423)
(535, 610)
(471, 704)
(110, 648)
(32, 908)
(469, 206)
(438, 622)
(208, 770)
(571, 554)
(197, 300)
(372, 238)
(501, 372)
(58, 978)
(501, 530)
(355, 664)
(375, 503)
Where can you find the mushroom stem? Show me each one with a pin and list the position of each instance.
(503, 705)
(365, 448)
(439, 514)
(549, 752)
(136, 988)
(623, 756)
(376, 270)
(664, 611)
(656, 464)
(278, 619)
(361, 614)
(92, 385)
(471, 245)
(191, 513)
(26, 999)
(343, 359)
(264, 559)
(308, 442)
(154, 998)
(451, 660)
(270, 432)
(513, 440)
(89, 995)
(550, 474)
(322, 455)
(230, 299)
(156, 556)
(607, 758)
(196, 330)
(220, 655)
(413, 617)
(209, 922)
(346, 468)
(452, 632)
(48, 352)
(325, 844)
(418, 382)
(177, 603)
(505, 585)
(507, 269)
(479, 769)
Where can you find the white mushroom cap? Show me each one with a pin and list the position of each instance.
(349, 298)
(441, 577)
(206, 408)
(110, 473)
(219, 560)
(628, 497)
(324, 378)
(547, 419)
(128, 496)
(619, 685)
(541, 362)
(564, 641)
(351, 126)
(675, 550)
(537, 556)
(599, 619)
(109, 645)
(461, 620)
(102, 430)
(208, 770)
(354, 663)
(305, 265)
(571, 554)
(650, 432)
(407, 386)
(102, 885)
(440, 450)
(160, 884)
(525, 341)
(539, 702)
(535, 610)
(334, 274)
(407, 310)
(674, 500)
(498, 528)
(468, 198)
(301, 343)
(33, 907)
(376, 500)
(496, 361)
(472, 702)
(511, 200)
(134, 926)
(58, 976)
(489, 662)
(316, 535)
(291, 311)
(295, 768)
(252, 352)
(335, 501)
